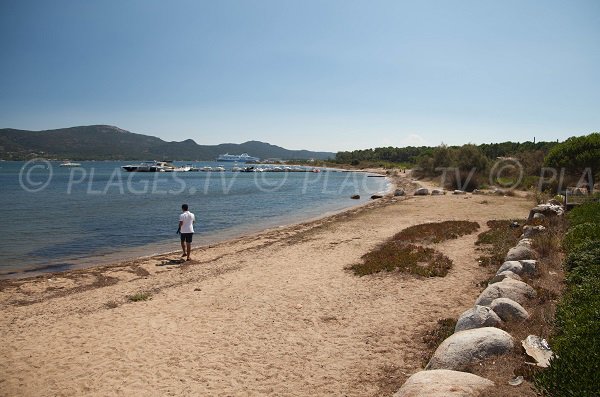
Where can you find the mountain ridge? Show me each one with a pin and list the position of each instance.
(106, 142)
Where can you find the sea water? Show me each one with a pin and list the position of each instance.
(56, 218)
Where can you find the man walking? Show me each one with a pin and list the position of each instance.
(186, 230)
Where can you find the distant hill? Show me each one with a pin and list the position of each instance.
(104, 142)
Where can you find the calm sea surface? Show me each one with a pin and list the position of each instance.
(54, 218)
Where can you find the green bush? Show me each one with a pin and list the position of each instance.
(587, 254)
(580, 234)
(575, 369)
(586, 213)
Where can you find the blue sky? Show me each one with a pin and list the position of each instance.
(319, 75)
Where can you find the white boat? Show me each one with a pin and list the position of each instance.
(242, 158)
(70, 164)
(151, 166)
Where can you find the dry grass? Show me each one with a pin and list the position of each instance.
(434, 337)
(140, 296)
(548, 285)
(407, 258)
(436, 232)
(496, 241)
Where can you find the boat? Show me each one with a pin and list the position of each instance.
(242, 158)
(152, 166)
(70, 164)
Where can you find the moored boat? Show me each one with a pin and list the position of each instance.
(242, 158)
(70, 164)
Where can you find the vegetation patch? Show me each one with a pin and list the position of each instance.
(436, 232)
(580, 234)
(496, 241)
(140, 296)
(575, 368)
(433, 338)
(408, 258)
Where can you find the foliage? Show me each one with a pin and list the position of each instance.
(579, 234)
(436, 232)
(589, 212)
(408, 258)
(576, 154)
(575, 368)
(443, 155)
(496, 242)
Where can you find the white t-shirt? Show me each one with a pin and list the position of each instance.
(188, 222)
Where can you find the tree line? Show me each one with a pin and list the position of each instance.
(577, 159)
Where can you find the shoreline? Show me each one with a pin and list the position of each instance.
(122, 259)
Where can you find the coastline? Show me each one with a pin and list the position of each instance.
(276, 313)
(125, 255)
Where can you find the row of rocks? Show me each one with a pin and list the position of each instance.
(423, 191)
(476, 335)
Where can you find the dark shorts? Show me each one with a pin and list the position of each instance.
(187, 237)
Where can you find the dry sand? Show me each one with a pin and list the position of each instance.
(275, 314)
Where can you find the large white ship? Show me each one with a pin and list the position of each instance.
(241, 158)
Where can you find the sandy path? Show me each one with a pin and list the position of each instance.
(275, 314)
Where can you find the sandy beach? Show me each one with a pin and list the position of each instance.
(272, 314)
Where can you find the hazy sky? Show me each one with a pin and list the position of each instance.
(319, 75)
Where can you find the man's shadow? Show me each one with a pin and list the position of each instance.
(170, 262)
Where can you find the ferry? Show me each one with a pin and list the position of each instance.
(70, 164)
(242, 158)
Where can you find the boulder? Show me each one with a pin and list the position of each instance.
(522, 267)
(443, 383)
(511, 266)
(376, 196)
(529, 266)
(530, 231)
(513, 289)
(399, 192)
(463, 348)
(539, 216)
(546, 210)
(459, 192)
(438, 192)
(521, 251)
(422, 191)
(477, 317)
(503, 275)
(355, 197)
(509, 310)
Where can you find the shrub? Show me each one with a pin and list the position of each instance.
(436, 232)
(588, 254)
(497, 241)
(580, 234)
(575, 368)
(140, 296)
(586, 213)
(408, 258)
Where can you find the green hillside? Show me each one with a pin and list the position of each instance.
(103, 142)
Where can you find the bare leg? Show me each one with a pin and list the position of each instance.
(189, 249)
(183, 248)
